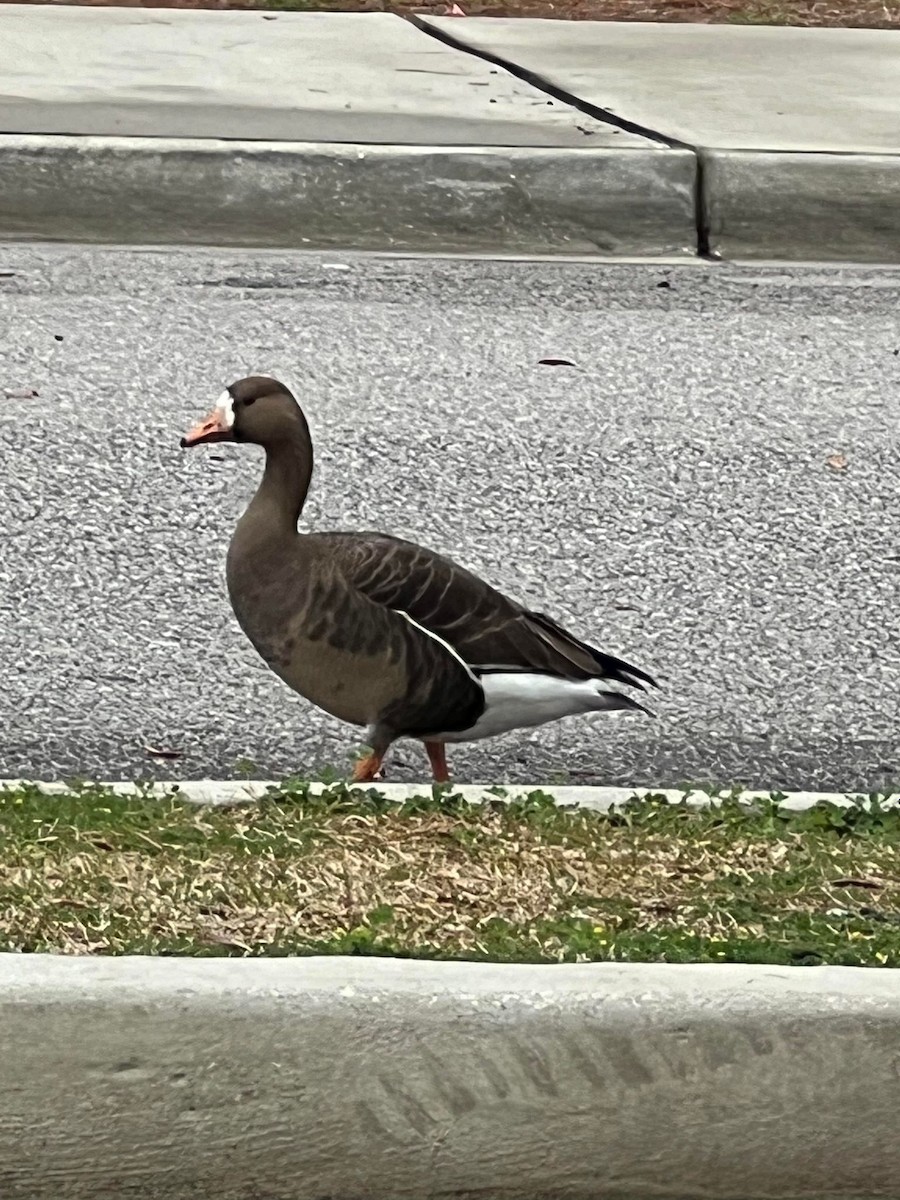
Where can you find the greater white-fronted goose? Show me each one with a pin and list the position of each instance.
(383, 633)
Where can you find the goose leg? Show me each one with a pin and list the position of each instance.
(367, 770)
(437, 756)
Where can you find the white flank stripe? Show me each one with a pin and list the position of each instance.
(440, 642)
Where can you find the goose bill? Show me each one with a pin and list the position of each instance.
(214, 428)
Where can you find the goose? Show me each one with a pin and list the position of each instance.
(380, 632)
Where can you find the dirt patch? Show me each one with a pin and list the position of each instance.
(860, 14)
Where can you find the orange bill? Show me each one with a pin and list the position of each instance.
(213, 428)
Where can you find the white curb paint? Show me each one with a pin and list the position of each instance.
(367, 1079)
(224, 792)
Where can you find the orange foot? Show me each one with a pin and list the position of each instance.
(368, 769)
(438, 758)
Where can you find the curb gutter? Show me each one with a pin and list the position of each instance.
(296, 1079)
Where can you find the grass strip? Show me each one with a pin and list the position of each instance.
(349, 872)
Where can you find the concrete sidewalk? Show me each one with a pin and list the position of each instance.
(167, 1079)
(371, 132)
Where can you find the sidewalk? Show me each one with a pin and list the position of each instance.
(293, 1079)
(368, 131)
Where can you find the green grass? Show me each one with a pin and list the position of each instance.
(349, 872)
(760, 14)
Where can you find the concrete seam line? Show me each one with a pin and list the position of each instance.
(223, 792)
(543, 84)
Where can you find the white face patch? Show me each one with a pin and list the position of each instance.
(225, 405)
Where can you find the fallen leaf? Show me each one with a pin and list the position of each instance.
(162, 752)
(879, 914)
(873, 884)
(224, 939)
(19, 393)
(555, 362)
(837, 462)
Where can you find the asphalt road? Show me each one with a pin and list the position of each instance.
(669, 496)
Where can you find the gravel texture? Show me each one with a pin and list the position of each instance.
(669, 496)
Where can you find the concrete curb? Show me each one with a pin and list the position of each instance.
(801, 207)
(629, 201)
(347, 1078)
(226, 792)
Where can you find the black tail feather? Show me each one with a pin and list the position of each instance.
(648, 712)
(618, 700)
(612, 668)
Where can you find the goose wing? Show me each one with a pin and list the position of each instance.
(485, 628)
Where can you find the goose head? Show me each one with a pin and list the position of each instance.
(257, 409)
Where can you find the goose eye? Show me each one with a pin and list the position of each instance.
(250, 400)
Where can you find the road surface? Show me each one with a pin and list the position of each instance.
(669, 496)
